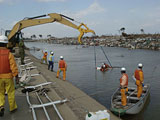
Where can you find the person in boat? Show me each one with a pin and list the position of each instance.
(123, 86)
(138, 74)
(105, 67)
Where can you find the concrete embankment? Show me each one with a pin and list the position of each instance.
(75, 109)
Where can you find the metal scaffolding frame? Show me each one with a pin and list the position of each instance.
(43, 105)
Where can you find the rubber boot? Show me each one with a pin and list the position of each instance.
(1, 111)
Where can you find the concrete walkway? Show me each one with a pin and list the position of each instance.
(75, 109)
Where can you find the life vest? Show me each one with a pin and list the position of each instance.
(62, 64)
(4, 61)
(126, 84)
(107, 66)
(45, 55)
(50, 57)
(104, 67)
(137, 74)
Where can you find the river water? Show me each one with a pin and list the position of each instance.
(81, 72)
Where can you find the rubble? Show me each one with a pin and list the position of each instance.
(133, 41)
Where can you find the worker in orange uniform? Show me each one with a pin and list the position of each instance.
(44, 56)
(62, 66)
(124, 86)
(138, 74)
(105, 67)
(8, 70)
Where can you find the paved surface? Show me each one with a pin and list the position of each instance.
(75, 109)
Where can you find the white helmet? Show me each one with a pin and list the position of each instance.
(103, 65)
(3, 39)
(123, 69)
(140, 65)
(61, 57)
(52, 52)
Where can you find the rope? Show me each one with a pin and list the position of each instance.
(106, 56)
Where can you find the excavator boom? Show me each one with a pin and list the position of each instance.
(52, 17)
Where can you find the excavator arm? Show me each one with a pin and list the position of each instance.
(52, 17)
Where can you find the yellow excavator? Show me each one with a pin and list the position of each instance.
(15, 34)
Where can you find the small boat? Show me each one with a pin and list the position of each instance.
(134, 104)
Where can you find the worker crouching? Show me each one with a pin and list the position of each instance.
(124, 86)
(8, 70)
(138, 74)
(62, 66)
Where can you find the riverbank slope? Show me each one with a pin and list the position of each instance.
(75, 108)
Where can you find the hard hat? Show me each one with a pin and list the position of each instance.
(140, 65)
(61, 57)
(52, 52)
(3, 39)
(123, 69)
(103, 65)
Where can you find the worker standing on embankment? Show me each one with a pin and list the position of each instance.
(44, 56)
(62, 66)
(8, 70)
(138, 74)
(21, 51)
(124, 86)
(51, 61)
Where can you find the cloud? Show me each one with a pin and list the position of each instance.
(50, 0)
(9, 2)
(1, 1)
(153, 18)
(59, 30)
(133, 11)
(153, 23)
(94, 8)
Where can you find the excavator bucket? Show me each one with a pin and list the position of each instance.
(82, 31)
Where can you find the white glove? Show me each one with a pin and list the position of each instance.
(134, 78)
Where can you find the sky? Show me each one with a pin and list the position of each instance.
(105, 17)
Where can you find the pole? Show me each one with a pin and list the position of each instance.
(94, 51)
(106, 56)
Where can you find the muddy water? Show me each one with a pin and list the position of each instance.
(81, 72)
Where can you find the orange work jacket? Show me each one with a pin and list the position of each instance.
(45, 55)
(62, 64)
(124, 74)
(8, 67)
(4, 61)
(138, 74)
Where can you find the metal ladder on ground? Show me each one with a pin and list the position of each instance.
(43, 105)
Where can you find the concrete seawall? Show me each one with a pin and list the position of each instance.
(75, 109)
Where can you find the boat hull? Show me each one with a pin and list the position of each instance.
(134, 106)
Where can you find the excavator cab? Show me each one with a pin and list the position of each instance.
(14, 41)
